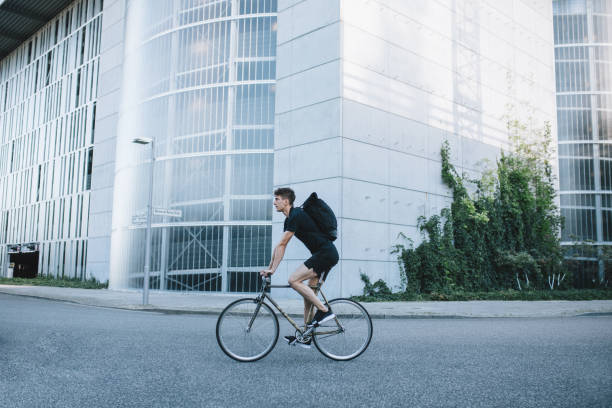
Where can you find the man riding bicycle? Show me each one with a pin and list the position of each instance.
(324, 257)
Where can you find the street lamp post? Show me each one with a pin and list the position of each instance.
(147, 265)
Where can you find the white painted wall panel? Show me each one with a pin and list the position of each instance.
(309, 124)
(315, 48)
(110, 57)
(359, 245)
(111, 79)
(104, 153)
(305, 88)
(412, 77)
(306, 16)
(106, 128)
(433, 72)
(101, 200)
(298, 164)
(365, 201)
(113, 13)
(105, 148)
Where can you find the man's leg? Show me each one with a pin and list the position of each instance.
(308, 312)
(296, 282)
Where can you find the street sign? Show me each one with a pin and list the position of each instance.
(140, 213)
(139, 219)
(167, 212)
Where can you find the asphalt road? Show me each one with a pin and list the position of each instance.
(55, 354)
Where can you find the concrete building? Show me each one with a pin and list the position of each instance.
(583, 61)
(351, 99)
(49, 86)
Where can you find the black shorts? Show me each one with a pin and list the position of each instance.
(323, 260)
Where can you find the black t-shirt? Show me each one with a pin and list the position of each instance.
(305, 230)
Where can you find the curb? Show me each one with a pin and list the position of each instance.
(373, 315)
(215, 312)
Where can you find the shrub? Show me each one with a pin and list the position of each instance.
(504, 235)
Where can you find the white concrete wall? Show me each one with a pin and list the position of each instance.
(362, 120)
(308, 143)
(416, 74)
(105, 139)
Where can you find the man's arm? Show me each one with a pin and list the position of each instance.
(279, 252)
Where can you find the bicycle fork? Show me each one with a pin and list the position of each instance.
(254, 315)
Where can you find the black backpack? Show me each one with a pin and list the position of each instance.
(322, 215)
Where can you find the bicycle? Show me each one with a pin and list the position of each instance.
(247, 329)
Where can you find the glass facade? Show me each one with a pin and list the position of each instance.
(48, 92)
(583, 65)
(199, 81)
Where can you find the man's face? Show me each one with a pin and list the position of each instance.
(280, 203)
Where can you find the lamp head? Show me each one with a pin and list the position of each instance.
(142, 140)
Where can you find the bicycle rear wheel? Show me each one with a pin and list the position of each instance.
(346, 336)
(237, 340)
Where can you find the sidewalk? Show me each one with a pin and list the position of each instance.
(207, 303)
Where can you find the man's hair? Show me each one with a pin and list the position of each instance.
(285, 192)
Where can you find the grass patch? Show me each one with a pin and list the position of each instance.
(51, 281)
(570, 294)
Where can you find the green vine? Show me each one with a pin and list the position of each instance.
(505, 235)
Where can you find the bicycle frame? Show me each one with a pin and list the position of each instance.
(263, 295)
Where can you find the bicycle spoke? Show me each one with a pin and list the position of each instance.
(353, 331)
(343, 338)
(235, 337)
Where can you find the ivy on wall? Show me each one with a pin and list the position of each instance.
(502, 230)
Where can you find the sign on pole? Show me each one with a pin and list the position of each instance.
(167, 212)
(140, 213)
(139, 220)
(140, 216)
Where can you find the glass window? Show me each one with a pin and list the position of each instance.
(182, 98)
(253, 139)
(257, 6)
(257, 37)
(601, 28)
(250, 246)
(255, 70)
(193, 178)
(251, 210)
(579, 224)
(252, 174)
(578, 200)
(604, 119)
(89, 169)
(607, 225)
(605, 166)
(254, 104)
(191, 248)
(576, 174)
(574, 124)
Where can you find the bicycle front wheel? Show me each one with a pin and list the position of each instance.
(237, 339)
(346, 336)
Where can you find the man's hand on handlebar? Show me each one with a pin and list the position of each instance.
(266, 272)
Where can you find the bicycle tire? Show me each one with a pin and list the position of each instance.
(357, 324)
(231, 325)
